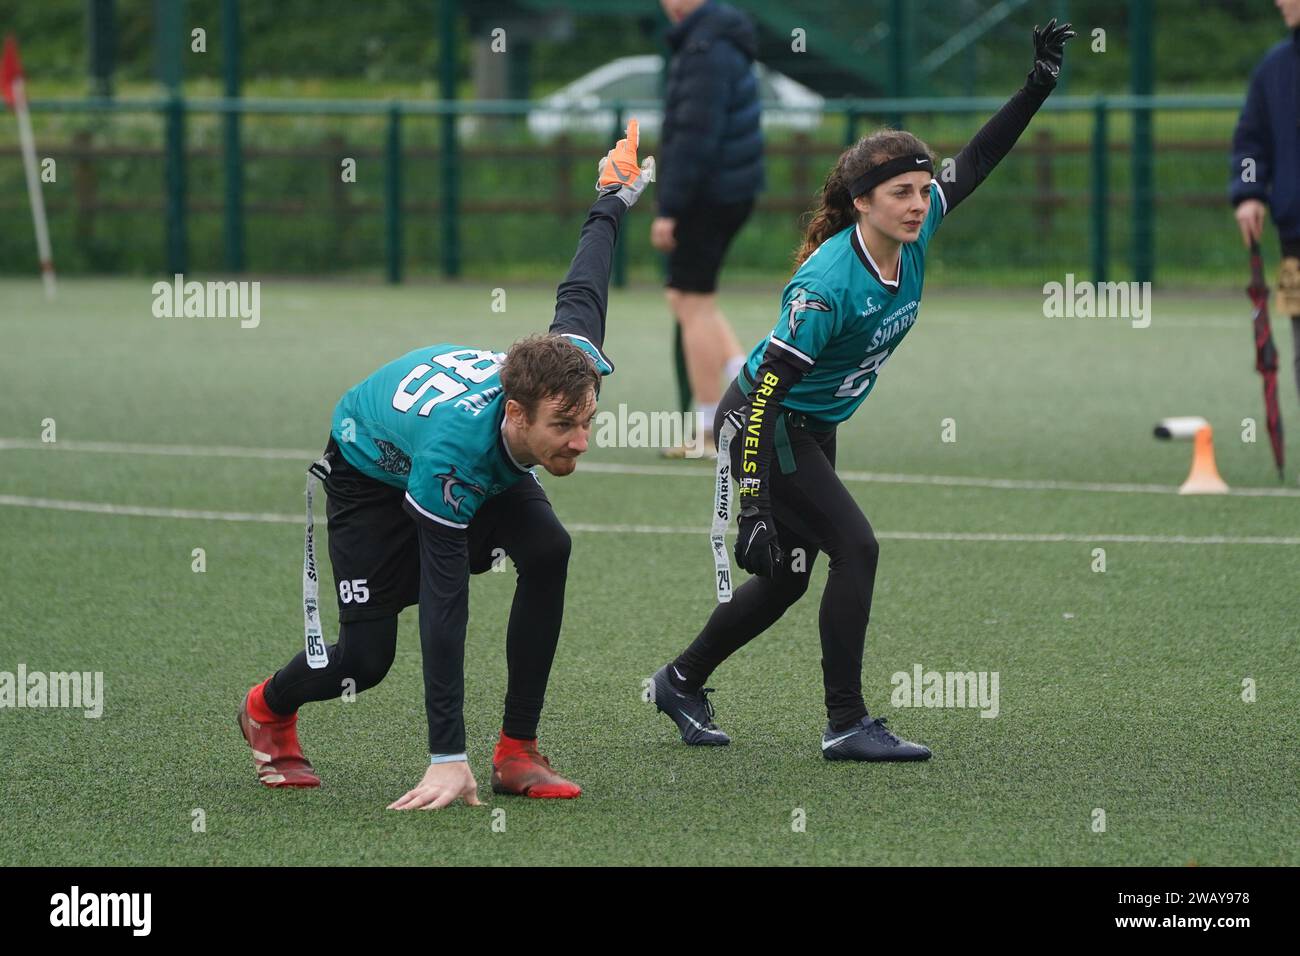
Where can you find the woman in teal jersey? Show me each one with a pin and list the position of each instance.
(852, 299)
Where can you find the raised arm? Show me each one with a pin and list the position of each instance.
(581, 300)
(977, 158)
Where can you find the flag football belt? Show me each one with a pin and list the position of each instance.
(316, 656)
(723, 495)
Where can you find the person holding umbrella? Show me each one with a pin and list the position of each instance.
(710, 172)
(1266, 171)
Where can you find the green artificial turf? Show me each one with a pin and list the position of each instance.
(1119, 691)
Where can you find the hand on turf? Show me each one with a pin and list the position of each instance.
(1049, 52)
(619, 173)
(1250, 220)
(663, 234)
(757, 549)
(442, 785)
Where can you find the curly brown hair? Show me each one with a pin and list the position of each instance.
(549, 366)
(835, 209)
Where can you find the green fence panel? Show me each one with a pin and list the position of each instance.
(489, 189)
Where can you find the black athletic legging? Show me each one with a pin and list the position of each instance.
(813, 512)
(530, 533)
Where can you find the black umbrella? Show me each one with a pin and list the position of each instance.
(1266, 354)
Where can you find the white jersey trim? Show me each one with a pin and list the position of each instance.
(791, 349)
(506, 446)
(880, 275)
(942, 198)
(433, 517)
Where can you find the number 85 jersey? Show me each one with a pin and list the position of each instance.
(430, 422)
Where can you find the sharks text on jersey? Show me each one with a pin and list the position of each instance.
(894, 324)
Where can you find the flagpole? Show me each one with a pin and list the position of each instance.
(27, 141)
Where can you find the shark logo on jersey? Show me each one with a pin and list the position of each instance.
(801, 304)
(392, 459)
(450, 484)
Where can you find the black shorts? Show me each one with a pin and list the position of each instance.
(703, 236)
(373, 543)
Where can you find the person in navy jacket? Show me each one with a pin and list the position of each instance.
(710, 170)
(1266, 161)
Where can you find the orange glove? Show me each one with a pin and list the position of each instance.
(619, 172)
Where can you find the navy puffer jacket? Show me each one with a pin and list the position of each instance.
(711, 148)
(1269, 133)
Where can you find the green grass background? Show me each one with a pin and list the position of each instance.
(1119, 690)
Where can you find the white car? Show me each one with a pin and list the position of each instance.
(583, 105)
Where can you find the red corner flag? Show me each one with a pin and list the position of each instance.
(11, 68)
(12, 86)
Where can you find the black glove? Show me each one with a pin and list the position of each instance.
(757, 549)
(1049, 50)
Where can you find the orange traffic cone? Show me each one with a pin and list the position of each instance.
(1204, 477)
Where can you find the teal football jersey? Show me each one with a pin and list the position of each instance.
(841, 320)
(430, 422)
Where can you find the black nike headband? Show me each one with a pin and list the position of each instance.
(895, 167)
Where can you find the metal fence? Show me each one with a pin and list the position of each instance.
(232, 184)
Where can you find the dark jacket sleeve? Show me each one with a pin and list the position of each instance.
(1253, 140)
(444, 616)
(994, 140)
(582, 299)
(697, 124)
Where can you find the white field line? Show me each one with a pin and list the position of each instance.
(143, 511)
(954, 481)
(182, 451)
(1121, 324)
(147, 511)
(657, 471)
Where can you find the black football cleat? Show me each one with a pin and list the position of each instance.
(692, 713)
(870, 739)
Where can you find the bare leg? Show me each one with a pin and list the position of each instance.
(709, 343)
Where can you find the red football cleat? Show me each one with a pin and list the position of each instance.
(518, 768)
(277, 755)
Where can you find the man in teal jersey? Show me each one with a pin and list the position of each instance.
(852, 300)
(428, 476)
(434, 423)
